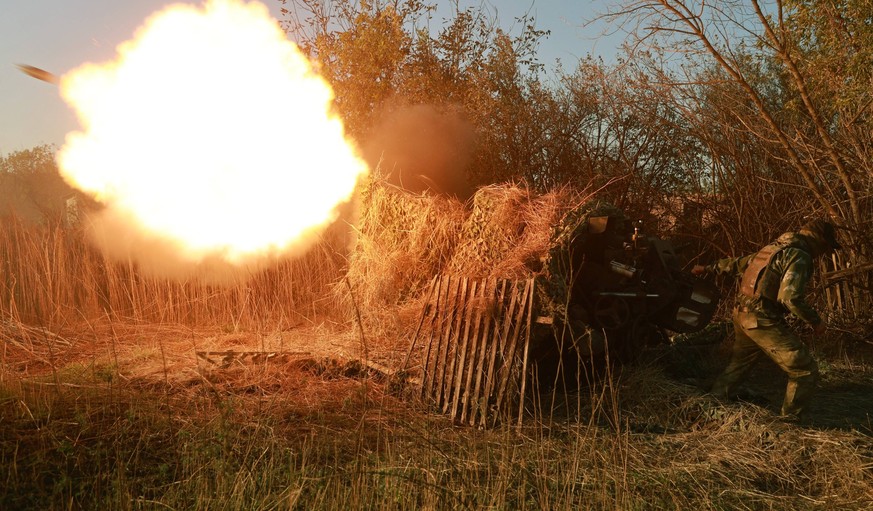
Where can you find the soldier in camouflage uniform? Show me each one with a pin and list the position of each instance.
(773, 283)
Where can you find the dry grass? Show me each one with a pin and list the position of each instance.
(404, 240)
(106, 404)
(129, 418)
(510, 231)
(52, 276)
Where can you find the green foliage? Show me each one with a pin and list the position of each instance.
(362, 62)
(764, 122)
(31, 187)
(37, 160)
(595, 126)
(382, 57)
(774, 102)
(836, 43)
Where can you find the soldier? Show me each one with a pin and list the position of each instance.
(773, 284)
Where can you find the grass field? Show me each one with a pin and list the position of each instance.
(128, 416)
(122, 391)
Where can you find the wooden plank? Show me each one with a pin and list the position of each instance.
(847, 272)
(479, 314)
(526, 352)
(446, 326)
(498, 339)
(501, 361)
(455, 342)
(439, 324)
(428, 367)
(228, 357)
(463, 350)
(513, 320)
(515, 317)
(426, 310)
(490, 320)
(479, 342)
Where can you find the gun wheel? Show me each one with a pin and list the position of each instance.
(611, 312)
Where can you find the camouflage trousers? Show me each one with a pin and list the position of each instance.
(756, 336)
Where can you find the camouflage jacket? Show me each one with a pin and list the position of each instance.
(795, 264)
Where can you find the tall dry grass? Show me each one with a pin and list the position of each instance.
(86, 431)
(286, 436)
(52, 276)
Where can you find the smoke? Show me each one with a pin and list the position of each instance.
(419, 148)
(157, 256)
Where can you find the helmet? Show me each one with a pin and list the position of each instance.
(822, 231)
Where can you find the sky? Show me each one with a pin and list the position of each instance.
(60, 36)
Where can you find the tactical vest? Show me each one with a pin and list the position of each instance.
(759, 280)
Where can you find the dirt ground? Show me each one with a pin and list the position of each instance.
(178, 357)
(177, 354)
(843, 399)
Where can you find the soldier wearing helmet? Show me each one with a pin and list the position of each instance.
(773, 282)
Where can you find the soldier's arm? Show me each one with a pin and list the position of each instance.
(729, 266)
(798, 271)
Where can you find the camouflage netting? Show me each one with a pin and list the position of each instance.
(402, 241)
(405, 240)
(494, 239)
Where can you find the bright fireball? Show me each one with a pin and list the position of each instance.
(210, 132)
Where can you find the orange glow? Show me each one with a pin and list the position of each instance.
(210, 134)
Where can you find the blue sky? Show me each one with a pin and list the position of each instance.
(59, 36)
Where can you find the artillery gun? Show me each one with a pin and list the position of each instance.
(632, 289)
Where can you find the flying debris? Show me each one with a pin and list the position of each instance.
(39, 74)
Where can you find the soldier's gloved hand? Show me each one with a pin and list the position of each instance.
(820, 328)
(698, 270)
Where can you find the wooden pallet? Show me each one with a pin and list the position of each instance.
(476, 340)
